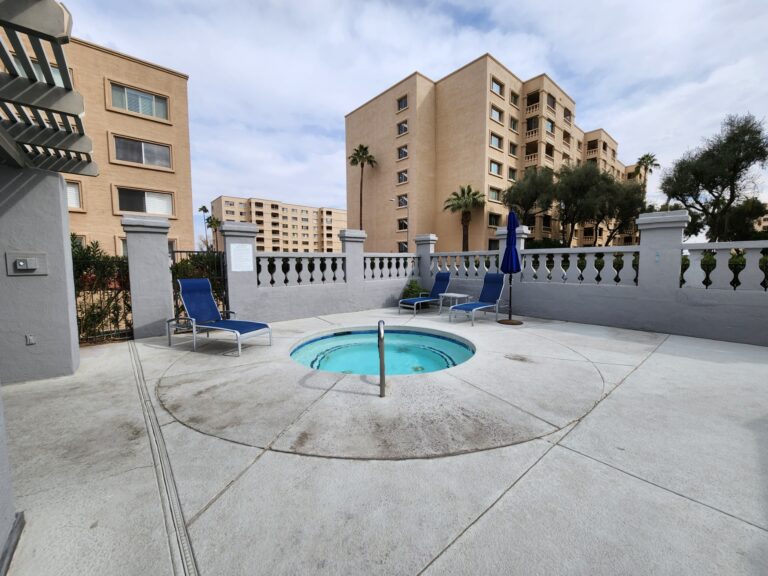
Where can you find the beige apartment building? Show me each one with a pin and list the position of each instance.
(480, 125)
(284, 227)
(137, 116)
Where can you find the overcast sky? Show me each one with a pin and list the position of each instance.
(271, 81)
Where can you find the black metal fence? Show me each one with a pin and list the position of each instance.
(102, 294)
(200, 264)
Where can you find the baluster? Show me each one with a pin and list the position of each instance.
(613, 268)
(279, 274)
(558, 274)
(305, 277)
(528, 271)
(549, 266)
(333, 269)
(264, 277)
(694, 275)
(722, 275)
(589, 273)
(751, 277)
(389, 267)
(292, 275)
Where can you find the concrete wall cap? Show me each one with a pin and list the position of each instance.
(426, 239)
(352, 235)
(147, 224)
(241, 229)
(673, 219)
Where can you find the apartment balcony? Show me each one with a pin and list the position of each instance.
(533, 108)
(531, 159)
(567, 120)
(591, 153)
(549, 160)
(550, 136)
(532, 134)
(551, 110)
(567, 144)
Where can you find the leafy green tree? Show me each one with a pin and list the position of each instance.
(464, 201)
(361, 157)
(713, 179)
(645, 165)
(204, 210)
(739, 223)
(525, 196)
(617, 205)
(576, 196)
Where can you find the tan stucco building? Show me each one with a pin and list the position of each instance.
(480, 125)
(284, 227)
(137, 116)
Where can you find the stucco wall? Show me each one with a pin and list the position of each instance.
(33, 218)
(7, 508)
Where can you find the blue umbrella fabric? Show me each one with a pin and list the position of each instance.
(510, 262)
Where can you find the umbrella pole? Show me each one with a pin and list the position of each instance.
(509, 309)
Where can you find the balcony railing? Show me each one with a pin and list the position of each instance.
(549, 159)
(567, 120)
(551, 110)
(530, 134)
(566, 143)
(592, 152)
(533, 108)
(531, 158)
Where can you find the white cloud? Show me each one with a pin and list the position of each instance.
(270, 81)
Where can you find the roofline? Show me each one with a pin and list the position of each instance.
(548, 77)
(411, 75)
(127, 57)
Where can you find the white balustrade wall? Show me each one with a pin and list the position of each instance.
(715, 291)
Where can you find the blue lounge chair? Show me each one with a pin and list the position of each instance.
(203, 315)
(442, 279)
(493, 284)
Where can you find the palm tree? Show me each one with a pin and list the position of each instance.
(204, 210)
(360, 157)
(214, 224)
(646, 163)
(464, 201)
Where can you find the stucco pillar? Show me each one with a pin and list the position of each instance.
(149, 267)
(661, 238)
(425, 247)
(38, 321)
(352, 245)
(242, 273)
(11, 522)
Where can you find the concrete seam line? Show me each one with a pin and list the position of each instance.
(484, 512)
(9, 548)
(182, 553)
(660, 487)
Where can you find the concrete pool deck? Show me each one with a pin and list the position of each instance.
(559, 448)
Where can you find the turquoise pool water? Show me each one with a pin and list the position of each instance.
(405, 352)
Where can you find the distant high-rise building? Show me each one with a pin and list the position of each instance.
(284, 227)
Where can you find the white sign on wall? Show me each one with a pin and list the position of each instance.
(241, 257)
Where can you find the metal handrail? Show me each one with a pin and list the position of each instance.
(382, 381)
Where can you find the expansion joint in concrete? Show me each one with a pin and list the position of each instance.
(179, 544)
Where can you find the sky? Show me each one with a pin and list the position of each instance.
(270, 81)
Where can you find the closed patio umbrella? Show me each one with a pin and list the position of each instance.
(510, 262)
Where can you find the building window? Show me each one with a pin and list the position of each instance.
(497, 87)
(497, 141)
(229, 212)
(493, 244)
(551, 102)
(402, 223)
(402, 201)
(402, 127)
(495, 167)
(497, 114)
(140, 152)
(401, 247)
(513, 124)
(549, 125)
(74, 198)
(511, 174)
(402, 103)
(514, 99)
(402, 152)
(592, 145)
(132, 200)
(589, 232)
(494, 194)
(494, 219)
(402, 177)
(139, 102)
(547, 222)
(513, 149)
